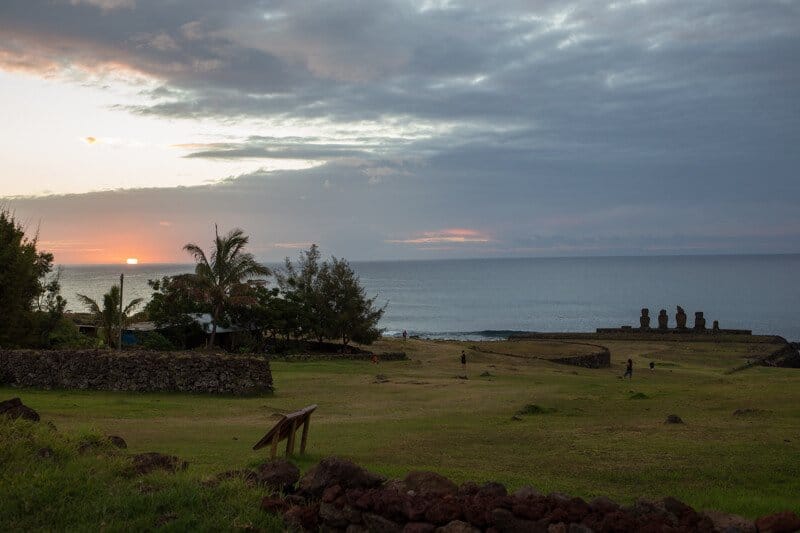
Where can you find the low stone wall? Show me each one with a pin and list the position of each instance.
(135, 371)
(600, 359)
(386, 356)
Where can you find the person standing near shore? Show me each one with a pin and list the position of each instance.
(464, 362)
(629, 369)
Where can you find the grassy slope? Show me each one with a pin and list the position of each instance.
(90, 492)
(598, 441)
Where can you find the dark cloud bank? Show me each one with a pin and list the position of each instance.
(558, 129)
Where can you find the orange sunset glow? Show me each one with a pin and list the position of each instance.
(132, 261)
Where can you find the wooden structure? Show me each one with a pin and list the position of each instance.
(286, 428)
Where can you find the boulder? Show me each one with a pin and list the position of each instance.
(429, 484)
(45, 453)
(673, 419)
(784, 522)
(377, 523)
(117, 442)
(419, 527)
(334, 471)
(730, 523)
(14, 409)
(526, 492)
(144, 463)
(279, 475)
(457, 526)
(303, 517)
(505, 521)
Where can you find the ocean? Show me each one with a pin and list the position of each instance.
(490, 298)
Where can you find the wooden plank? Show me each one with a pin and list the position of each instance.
(290, 437)
(274, 448)
(305, 434)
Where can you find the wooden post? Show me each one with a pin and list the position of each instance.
(290, 439)
(274, 450)
(305, 434)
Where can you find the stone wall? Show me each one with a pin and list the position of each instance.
(135, 371)
(366, 356)
(600, 359)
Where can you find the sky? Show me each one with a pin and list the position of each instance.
(402, 130)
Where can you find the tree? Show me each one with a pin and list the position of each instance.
(22, 273)
(350, 315)
(301, 288)
(171, 307)
(222, 279)
(108, 317)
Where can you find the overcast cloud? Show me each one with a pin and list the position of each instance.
(438, 129)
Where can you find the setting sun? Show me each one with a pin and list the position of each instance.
(132, 261)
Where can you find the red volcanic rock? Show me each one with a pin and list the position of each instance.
(443, 511)
(375, 522)
(144, 463)
(492, 490)
(390, 504)
(785, 522)
(273, 505)
(304, 517)
(419, 527)
(333, 516)
(526, 492)
(117, 442)
(505, 521)
(576, 510)
(457, 526)
(335, 471)
(429, 483)
(730, 522)
(278, 475)
(532, 508)
(603, 505)
(414, 507)
(332, 493)
(14, 409)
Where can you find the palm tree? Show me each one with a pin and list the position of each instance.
(222, 279)
(108, 317)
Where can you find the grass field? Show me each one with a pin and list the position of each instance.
(598, 434)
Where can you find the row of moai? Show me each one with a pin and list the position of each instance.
(680, 320)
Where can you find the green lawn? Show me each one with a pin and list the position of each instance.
(605, 436)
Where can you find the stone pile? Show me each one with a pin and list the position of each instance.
(339, 496)
(135, 371)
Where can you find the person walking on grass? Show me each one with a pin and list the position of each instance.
(629, 369)
(464, 362)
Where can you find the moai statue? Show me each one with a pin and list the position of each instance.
(716, 326)
(663, 319)
(680, 318)
(699, 321)
(644, 320)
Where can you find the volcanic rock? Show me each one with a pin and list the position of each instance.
(117, 442)
(785, 522)
(429, 484)
(144, 463)
(14, 409)
(334, 471)
(279, 475)
(730, 523)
